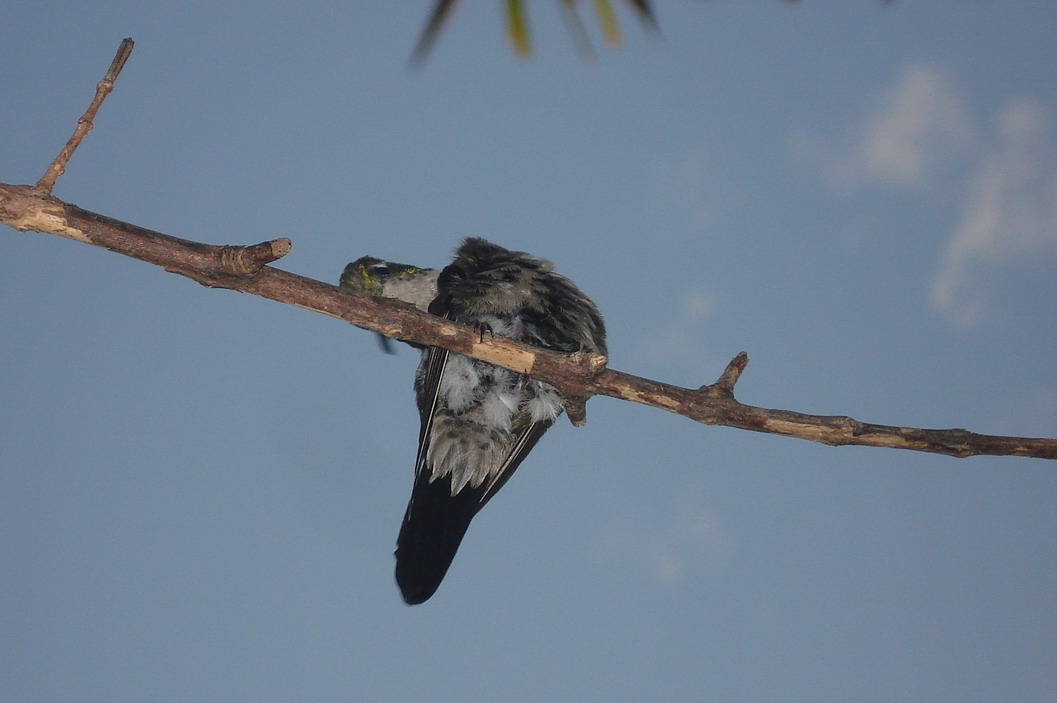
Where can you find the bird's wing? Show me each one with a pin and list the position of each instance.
(436, 362)
(518, 451)
(428, 398)
(435, 520)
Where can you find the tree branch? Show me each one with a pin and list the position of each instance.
(84, 125)
(576, 376)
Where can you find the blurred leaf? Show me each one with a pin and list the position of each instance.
(646, 14)
(441, 12)
(517, 27)
(608, 20)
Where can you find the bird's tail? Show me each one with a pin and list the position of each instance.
(433, 528)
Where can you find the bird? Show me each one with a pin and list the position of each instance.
(478, 421)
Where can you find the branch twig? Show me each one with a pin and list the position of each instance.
(84, 125)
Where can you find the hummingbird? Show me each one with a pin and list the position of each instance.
(478, 421)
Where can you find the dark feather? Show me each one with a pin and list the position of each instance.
(433, 528)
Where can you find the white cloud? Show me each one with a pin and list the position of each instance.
(922, 122)
(915, 127)
(667, 553)
(1009, 216)
(919, 136)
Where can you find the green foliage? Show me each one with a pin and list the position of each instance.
(518, 26)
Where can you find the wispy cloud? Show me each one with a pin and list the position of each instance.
(1001, 169)
(1009, 215)
(914, 127)
(667, 553)
(921, 124)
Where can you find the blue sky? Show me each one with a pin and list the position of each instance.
(200, 490)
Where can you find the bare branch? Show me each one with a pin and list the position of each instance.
(28, 208)
(715, 405)
(84, 125)
(576, 376)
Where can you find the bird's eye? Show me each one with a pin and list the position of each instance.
(379, 269)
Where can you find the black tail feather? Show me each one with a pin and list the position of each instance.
(433, 528)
